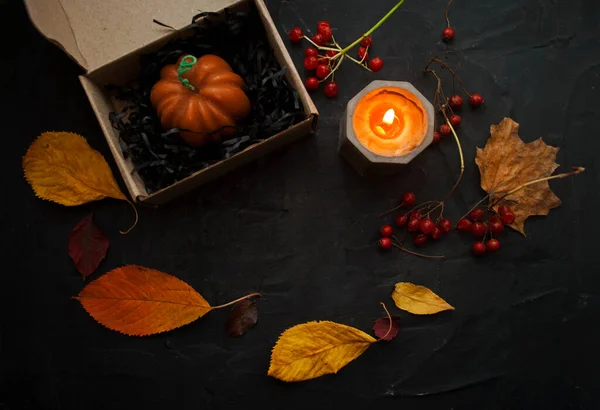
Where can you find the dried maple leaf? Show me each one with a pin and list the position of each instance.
(87, 246)
(62, 167)
(381, 328)
(313, 349)
(242, 317)
(418, 300)
(506, 162)
(138, 301)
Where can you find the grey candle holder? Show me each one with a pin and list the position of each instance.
(366, 162)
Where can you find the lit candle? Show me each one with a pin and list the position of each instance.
(390, 121)
(386, 124)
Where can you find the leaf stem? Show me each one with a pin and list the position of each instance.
(576, 170)
(233, 302)
(136, 219)
(389, 318)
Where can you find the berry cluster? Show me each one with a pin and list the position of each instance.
(448, 106)
(418, 222)
(324, 57)
(494, 225)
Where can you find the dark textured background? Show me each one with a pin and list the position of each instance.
(298, 226)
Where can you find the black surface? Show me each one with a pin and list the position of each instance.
(298, 227)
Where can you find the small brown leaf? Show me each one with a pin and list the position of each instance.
(382, 325)
(506, 162)
(242, 317)
(87, 246)
(418, 299)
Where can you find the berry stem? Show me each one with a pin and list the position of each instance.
(318, 46)
(389, 318)
(233, 302)
(576, 170)
(332, 72)
(375, 27)
(462, 159)
(447, 67)
(358, 62)
(403, 249)
(447, 7)
(474, 206)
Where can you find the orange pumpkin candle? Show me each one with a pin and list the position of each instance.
(202, 96)
(390, 121)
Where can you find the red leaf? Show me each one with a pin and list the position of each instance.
(87, 246)
(382, 325)
(242, 317)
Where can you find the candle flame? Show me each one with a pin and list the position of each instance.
(388, 117)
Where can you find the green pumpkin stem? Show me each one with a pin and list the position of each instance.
(186, 65)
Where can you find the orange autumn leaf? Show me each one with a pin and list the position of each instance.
(63, 168)
(314, 349)
(506, 162)
(138, 301)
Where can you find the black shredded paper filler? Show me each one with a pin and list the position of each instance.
(160, 156)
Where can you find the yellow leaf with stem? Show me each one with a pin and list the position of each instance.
(418, 300)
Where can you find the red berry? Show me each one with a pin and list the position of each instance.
(311, 51)
(323, 25)
(385, 243)
(409, 199)
(508, 218)
(475, 100)
(414, 225)
(503, 210)
(478, 248)
(386, 231)
(296, 35)
(376, 64)
(426, 225)
(494, 218)
(310, 63)
(445, 129)
(363, 54)
(415, 215)
(464, 225)
(445, 225)
(436, 234)
(496, 227)
(478, 229)
(326, 33)
(436, 137)
(331, 89)
(367, 42)
(322, 71)
(312, 83)
(420, 239)
(492, 245)
(318, 39)
(330, 53)
(401, 220)
(455, 120)
(448, 34)
(456, 101)
(476, 214)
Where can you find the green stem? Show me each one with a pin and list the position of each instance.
(186, 65)
(375, 27)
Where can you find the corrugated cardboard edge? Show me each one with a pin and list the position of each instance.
(102, 106)
(284, 58)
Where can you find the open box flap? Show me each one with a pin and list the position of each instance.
(97, 32)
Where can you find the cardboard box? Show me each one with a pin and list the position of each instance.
(107, 37)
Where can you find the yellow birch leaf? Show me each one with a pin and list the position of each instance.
(313, 349)
(62, 167)
(418, 300)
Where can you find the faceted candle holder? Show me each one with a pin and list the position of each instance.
(365, 160)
